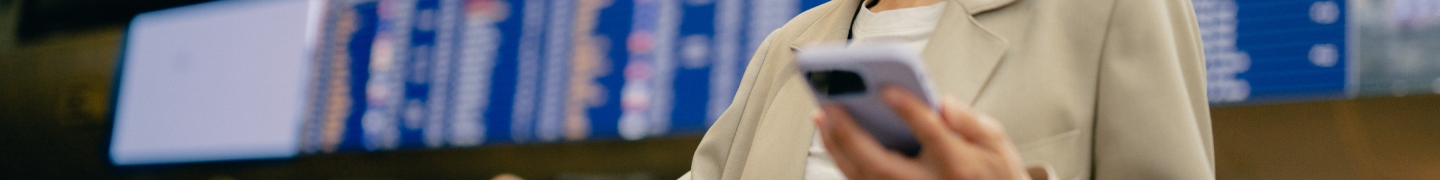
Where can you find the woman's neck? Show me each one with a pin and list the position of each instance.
(886, 5)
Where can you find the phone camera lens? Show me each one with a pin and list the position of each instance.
(836, 82)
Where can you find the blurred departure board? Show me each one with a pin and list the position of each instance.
(398, 74)
(456, 73)
(1279, 51)
(1273, 50)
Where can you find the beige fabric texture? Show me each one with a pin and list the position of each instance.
(1093, 89)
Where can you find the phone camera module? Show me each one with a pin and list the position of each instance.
(836, 82)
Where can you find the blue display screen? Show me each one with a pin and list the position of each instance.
(1260, 51)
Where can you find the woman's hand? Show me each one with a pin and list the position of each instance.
(957, 143)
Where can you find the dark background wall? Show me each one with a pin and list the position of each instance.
(57, 59)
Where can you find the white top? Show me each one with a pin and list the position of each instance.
(910, 27)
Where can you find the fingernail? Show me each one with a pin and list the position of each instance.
(819, 121)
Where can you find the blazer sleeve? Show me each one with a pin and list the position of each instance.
(725, 145)
(1152, 117)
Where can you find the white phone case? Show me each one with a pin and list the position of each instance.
(875, 65)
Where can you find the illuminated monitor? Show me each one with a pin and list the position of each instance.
(213, 81)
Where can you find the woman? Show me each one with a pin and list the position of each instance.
(1044, 89)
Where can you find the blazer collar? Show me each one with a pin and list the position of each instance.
(961, 56)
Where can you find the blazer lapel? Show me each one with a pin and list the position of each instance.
(834, 26)
(962, 54)
(783, 137)
(973, 7)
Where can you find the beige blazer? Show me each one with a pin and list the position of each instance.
(1102, 89)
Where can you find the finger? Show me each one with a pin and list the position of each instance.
(972, 126)
(862, 154)
(823, 127)
(849, 137)
(919, 116)
(819, 119)
(859, 148)
(837, 154)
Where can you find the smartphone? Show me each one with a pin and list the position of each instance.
(852, 77)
